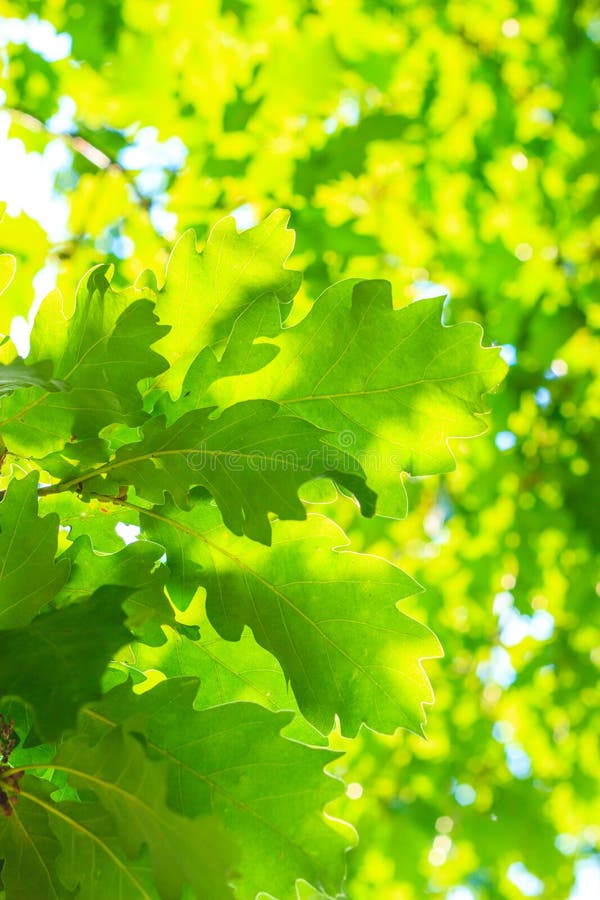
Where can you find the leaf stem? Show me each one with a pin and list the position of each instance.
(102, 161)
(94, 155)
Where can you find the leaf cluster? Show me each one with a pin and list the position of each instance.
(194, 413)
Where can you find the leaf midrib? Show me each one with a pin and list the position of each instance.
(372, 391)
(77, 826)
(154, 454)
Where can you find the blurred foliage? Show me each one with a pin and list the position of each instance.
(448, 147)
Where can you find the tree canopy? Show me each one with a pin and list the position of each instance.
(437, 162)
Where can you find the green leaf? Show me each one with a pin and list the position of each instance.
(102, 353)
(205, 292)
(228, 671)
(136, 567)
(75, 458)
(8, 267)
(251, 459)
(29, 575)
(26, 246)
(132, 790)
(394, 385)
(92, 862)
(54, 665)
(329, 615)
(232, 762)
(430, 144)
(18, 374)
(94, 518)
(243, 353)
(29, 846)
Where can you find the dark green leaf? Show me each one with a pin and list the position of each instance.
(250, 458)
(136, 567)
(18, 373)
(29, 576)
(55, 664)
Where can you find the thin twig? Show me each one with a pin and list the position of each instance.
(98, 158)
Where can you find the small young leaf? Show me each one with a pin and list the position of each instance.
(136, 567)
(205, 292)
(101, 353)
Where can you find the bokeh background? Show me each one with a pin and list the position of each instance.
(450, 147)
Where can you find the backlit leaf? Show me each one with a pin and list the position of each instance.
(230, 761)
(332, 622)
(101, 353)
(205, 292)
(30, 847)
(393, 385)
(132, 789)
